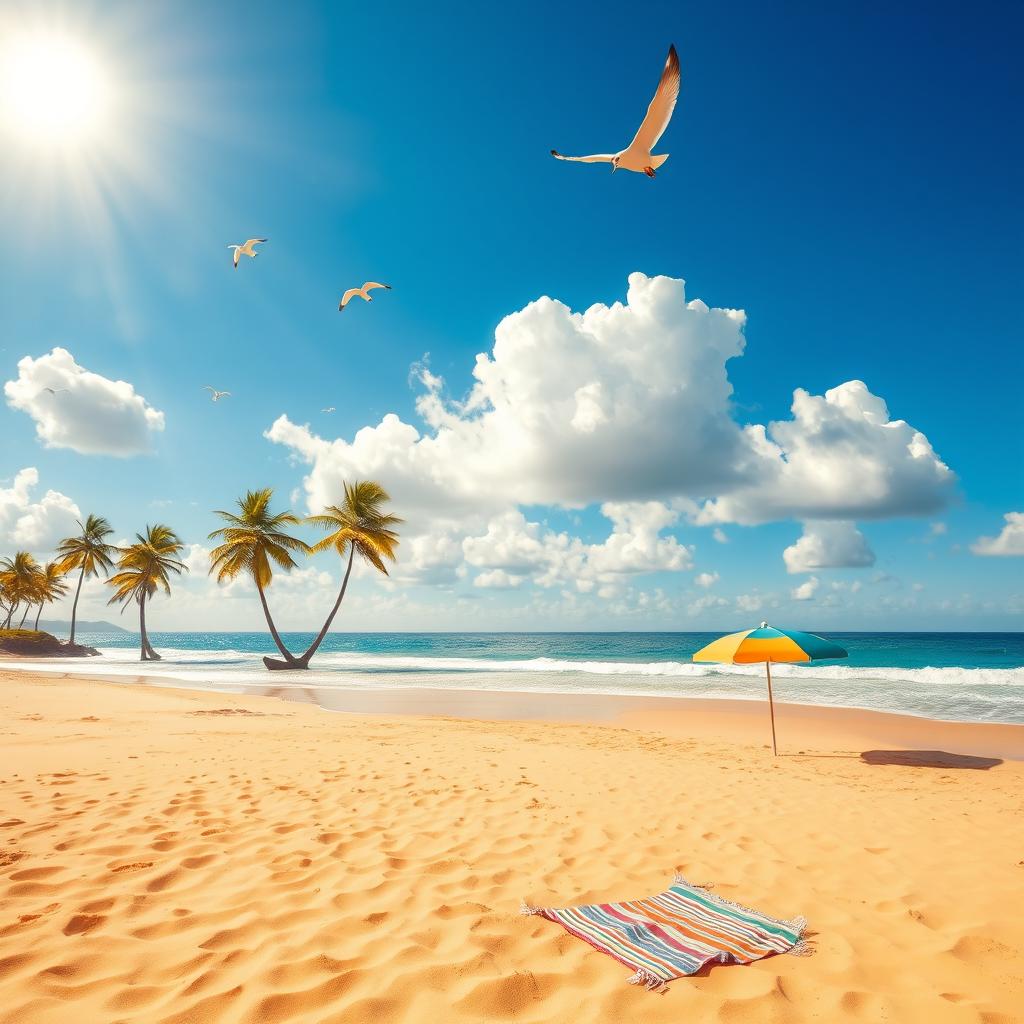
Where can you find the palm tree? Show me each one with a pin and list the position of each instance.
(90, 553)
(18, 577)
(254, 542)
(49, 587)
(359, 526)
(143, 568)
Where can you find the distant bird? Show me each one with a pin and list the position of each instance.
(215, 395)
(54, 391)
(246, 249)
(363, 293)
(329, 408)
(637, 155)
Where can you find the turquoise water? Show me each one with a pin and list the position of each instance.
(957, 676)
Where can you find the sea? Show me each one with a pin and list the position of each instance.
(967, 677)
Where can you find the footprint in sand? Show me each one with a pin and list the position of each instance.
(82, 923)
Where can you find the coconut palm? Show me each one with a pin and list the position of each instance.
(359, 526)
(88, 552)
(49, 586)
(144, 568)
(254, 541)
(18, 578)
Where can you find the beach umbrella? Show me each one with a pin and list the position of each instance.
(768, 644)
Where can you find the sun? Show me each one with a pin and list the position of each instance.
(52, 89)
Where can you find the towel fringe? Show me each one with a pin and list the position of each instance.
(526, 909)
(650, 981)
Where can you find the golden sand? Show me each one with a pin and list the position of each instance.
(177, 856)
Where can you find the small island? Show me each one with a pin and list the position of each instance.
(37, 643)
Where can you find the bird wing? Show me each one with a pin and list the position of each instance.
(659, 113)
(206, 387)
(237, 249)
(595, 158)
(370, 285)
(348, 296)
(250, 242)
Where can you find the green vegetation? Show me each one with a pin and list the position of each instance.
(253, 542)
(144, 568)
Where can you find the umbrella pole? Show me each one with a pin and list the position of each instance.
(771, 705)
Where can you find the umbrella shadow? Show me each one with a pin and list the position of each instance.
(929, 759)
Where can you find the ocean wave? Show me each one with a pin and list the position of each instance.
(340, 661)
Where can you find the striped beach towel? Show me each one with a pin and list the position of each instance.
(677, 932)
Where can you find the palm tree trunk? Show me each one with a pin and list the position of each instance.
(285, 653)
(39, 611)
(28, 608)
(7, 621)
(303, 662)
(143, 639)
(74, 606)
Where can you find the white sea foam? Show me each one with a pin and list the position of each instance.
(966, 694)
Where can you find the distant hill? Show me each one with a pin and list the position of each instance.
(81, 626)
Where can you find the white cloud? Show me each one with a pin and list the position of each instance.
(1010, 540)
(624, 406)
(37, 526)
(840, 457)
(709, 602)
(720, 535)
(829, 545)
(85, 412)
(520, 548)
(706, 579)
(497, 579)
(806, 590)
(749, 603)
(937, 529)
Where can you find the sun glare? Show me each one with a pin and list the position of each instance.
(54, 92)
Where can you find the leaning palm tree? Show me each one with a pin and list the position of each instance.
(18, 576)
(88, 552)
(143, 568)
(359, 526)
(49, 587)
(254, 541)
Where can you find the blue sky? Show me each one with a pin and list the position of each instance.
(846, 178)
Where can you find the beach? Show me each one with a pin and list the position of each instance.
(175, 855)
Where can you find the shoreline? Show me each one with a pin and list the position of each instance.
(800, 727)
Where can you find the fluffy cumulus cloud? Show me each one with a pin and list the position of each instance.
(829, 545)
(628, 407)
(1010, 540)
(841, 456)
(706, 579)
(81, 410)
(806, 590)
(36, 524)
(512, 549)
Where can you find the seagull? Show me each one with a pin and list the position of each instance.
(329, 408)
(215, 395)
(246, 249)
(54, 391)
(363, 293)
(637, 155)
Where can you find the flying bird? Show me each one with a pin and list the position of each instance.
(215, 395)
(54, 391)
(637, 155)
(246, 249)
(363, 293)
(329, 408)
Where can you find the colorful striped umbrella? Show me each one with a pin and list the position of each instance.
(768, 644)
